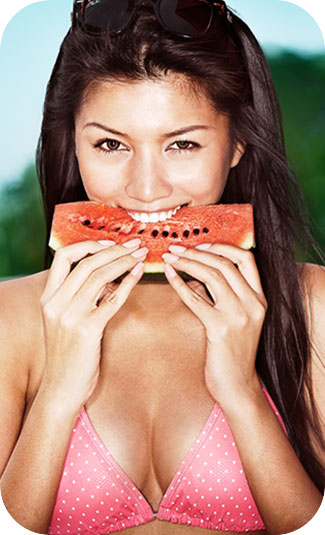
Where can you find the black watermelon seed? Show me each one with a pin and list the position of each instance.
(186, 233)
(196, 231)
(140, 231)
(205, 230)
(174, 235)
(165, 233)
(101, 228)
(155, 233)
(117, 229)
(86, 222)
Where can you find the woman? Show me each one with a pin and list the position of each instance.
(148, 406)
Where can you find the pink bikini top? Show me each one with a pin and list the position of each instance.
(209, 490)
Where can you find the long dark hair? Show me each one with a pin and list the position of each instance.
(229, 66)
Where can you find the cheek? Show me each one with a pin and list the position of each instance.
(100, 184)
(206, 181)
(208, 190)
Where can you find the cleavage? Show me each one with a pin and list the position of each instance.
(148, 413)
(150, 452)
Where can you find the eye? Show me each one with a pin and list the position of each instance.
(184, 145)
(109, 145)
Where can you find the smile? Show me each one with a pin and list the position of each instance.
(153, 217)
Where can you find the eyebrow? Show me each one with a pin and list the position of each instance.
(177, 132)
(186, 129)
(106, 128)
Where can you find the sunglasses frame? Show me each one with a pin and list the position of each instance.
(79, 6)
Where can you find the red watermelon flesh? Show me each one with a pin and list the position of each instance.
(190, 226)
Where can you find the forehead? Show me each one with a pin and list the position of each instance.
(169, 96)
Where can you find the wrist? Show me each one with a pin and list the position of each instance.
(57, 403)
(240, 397)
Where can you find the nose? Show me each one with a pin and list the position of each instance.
(147, 178)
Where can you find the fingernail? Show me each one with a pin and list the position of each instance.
(140, 252)
(170, 257)
(177, 248)
(138, 269)
(203, 246)
(132, 243)
(170, 271)
(106, 243)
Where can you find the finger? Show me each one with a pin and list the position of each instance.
(63, 260)
(86, 298)
(112, 303)
(221, 291)
(87, 267)
(244, 260)
(196, 303)
(233, 276)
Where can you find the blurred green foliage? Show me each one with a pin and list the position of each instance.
(300, 82)
(22, 226)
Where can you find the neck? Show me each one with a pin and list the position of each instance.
(154, 295)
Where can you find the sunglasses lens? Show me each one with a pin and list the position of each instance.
(186, 17)
(107, 15)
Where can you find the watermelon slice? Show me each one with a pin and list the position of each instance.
(190, 226)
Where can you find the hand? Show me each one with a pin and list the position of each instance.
(76, 308)
(233, 317)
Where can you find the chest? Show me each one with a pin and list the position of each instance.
(151, 442)
(151, 402)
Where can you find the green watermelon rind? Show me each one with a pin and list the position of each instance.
(55, 243)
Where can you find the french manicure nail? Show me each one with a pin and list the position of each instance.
(140, 252)
(170, 257)
(138, 268)
(177, 248)
(169, 270)
(132, 243)
(106, 242)
(203, 246)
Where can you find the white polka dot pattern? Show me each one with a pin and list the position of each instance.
(210, 490)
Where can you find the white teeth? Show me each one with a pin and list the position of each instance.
(153, 217)
(163, 216)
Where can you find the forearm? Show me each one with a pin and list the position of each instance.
(284, 494)
(30, 481)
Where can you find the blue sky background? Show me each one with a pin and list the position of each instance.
(31, 41)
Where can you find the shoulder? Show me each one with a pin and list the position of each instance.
(21, 355)
(21, 297)
(20, 316)
(313, 284)
(312, 277)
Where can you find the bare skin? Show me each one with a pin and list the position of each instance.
(75, 345)
(109, 410)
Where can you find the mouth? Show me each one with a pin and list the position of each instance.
(154, 217)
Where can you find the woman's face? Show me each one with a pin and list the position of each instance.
(152, 146)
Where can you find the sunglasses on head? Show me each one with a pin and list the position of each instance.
(185, 18)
